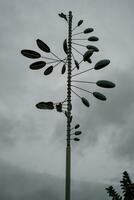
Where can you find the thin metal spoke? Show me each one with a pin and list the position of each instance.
(81, 89)
(74, 61)
(62, 60)
(65, 100)
(79, 64)
(57, 64)
(80, 61)
(77, 33)
(73, 57)
(74, 28)
(73, 68)
(52, 62)
(83, 81)
(82, 72)
(79, 39)
(77, 51)
(64, 107)
(76, 94)
(49, 58)
(79, 44)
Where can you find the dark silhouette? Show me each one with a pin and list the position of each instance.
(65, 106)
(127, 189)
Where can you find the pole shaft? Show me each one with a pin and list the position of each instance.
(68, 147)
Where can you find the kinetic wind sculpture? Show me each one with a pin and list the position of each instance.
(52, 61)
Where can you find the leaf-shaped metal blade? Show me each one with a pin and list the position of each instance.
(37, 65)
(101, 64)
(80, 22)
(105, 84)
(89, 60)
(48, 70)
(63, 69)
(87, 55)
(65, 46)
(77, 126)
(93, 39)
(45, 105)
(43, 46)
(76, 139)
(76, 64)
(85, 101)
(78, 133)
(62, 15)
(30, 54)
(99, 96)
(88, 30)
(92, 47)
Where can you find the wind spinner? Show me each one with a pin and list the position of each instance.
(49, 61)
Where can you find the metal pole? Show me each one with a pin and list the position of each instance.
(68, 147)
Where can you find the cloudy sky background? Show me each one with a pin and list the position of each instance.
(32, 142)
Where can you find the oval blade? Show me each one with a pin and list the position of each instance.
(105, 84)
(78, 133)
(93, 39)
(101, 64)
(43, 46)
(48, 70)
(99, 96)
(30, 54)
(45, 105)
(77, 64)
(63, 69)
(88, 30)
(77, 126)
(92, 47)
(80, 22)
(65, 46)
(89, 60)
(85, 101)
(87, 55)
(76, 139)
(37, 65)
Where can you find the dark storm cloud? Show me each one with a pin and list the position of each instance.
(116, 116)
(22, 22)
(7, 126)
(14, 128)
(116, 112)
(123, 147)
(20, 184)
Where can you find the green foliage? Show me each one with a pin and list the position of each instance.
(112, 193)
(127, 189)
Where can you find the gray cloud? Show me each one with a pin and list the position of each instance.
(22, 22)
(17, 183)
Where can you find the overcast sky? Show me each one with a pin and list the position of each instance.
(32, 142)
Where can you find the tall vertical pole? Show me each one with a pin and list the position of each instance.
(68, 147)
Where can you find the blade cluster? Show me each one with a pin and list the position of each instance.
(87, 58)
(54, 60)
